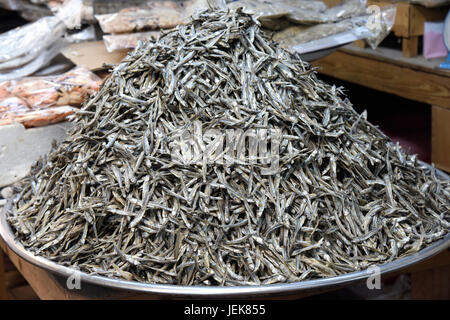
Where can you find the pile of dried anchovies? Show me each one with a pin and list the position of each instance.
(111, 201)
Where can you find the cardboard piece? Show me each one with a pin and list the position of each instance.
(92, 55)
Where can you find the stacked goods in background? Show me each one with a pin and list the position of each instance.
(294, 22)
(27, 52)
(37, 101)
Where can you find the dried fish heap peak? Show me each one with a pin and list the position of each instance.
(113, 200)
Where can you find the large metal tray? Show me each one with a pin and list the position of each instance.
(95, 285)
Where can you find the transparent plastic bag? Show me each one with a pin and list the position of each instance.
(20, 48)
(32, 36)
(346, 9)
(153, 15)
(38, 118)
(139, 20)
(156, 15)
(261, 8)
(37, 101)
(27, 48)
(301, 11)
(372, 28)
(71, 13)
(315, 5)
(87, 12)
(380, 23)
(44, 57)
(85, 9)
(128, 40)
(70, 88)
(296, 35)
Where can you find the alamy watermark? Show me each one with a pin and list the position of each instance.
(374, 22)
(374, 280)
(260, 147)
(74, 281)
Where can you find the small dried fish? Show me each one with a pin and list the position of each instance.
(112, 201)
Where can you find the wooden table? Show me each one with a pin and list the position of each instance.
(412, 78)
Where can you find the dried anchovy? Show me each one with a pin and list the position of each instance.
(110, 201)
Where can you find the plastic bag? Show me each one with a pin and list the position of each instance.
(347, 9)
(70, 88)
(153, 15)
(315, 5)
(380, 24)
(21, 47)
(296, 35)
(262, 8)
(158, 15)
(301, 11)
(307, 12)
(85, 9)
(139, 20)
(21, 40)
(127, 41)
(27, 48)
(44, 57)
(38, 101)
(305, 39)
(317, 14)
(38, 118)
(71, 13)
